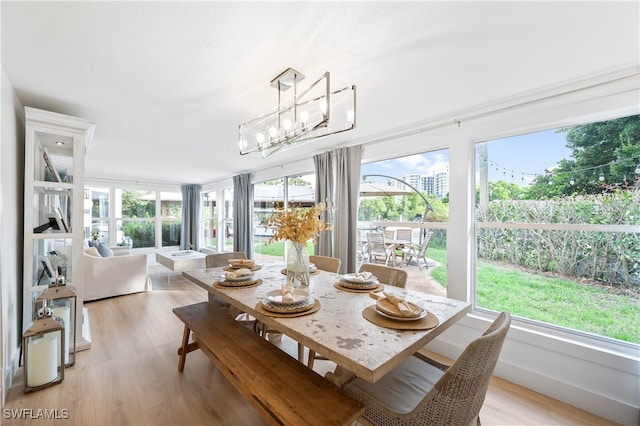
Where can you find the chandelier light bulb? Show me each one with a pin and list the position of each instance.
(304, 116)
(286, 124)
(323, 106)
(273, 131)
(260, 138)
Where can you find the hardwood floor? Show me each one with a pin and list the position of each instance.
(130, 376)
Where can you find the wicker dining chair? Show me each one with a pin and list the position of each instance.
(326, 263)
(423, 391)
(215, 260)
(386, 274)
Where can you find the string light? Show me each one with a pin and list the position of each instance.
(571, 174)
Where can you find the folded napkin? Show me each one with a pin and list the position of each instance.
(238, 273)
(287, 292)
(406, 309)
(362, 276)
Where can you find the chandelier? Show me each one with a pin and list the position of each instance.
(309, 114)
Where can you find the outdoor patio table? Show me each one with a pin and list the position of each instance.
(338, 330)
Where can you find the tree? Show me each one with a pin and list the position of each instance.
(502, 190)
(604, 156)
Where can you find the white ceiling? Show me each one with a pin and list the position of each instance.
(167, 83)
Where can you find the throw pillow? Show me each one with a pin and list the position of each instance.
(92, 251)
(104, 250)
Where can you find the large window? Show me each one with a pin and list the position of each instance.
(136, 218)
(557, 215)
(209, 219)
(269, 196)
(171, 219)
(227, 220)
(408, 199)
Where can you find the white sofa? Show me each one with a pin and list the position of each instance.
(122, 273)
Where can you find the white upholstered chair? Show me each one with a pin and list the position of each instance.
(116, 275)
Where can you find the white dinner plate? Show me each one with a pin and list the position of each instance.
(275, 297)
(238, 279)
(352, 279)
(393, 317)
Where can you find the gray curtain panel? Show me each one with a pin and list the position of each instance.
(243, 214)
(191, 214)
(324, 193)
(347, 166)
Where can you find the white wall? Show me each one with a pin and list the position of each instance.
(11, 202)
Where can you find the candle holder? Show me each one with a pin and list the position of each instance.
(61, 300)
(43, 346)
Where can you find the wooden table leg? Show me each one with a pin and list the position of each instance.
(183, 349)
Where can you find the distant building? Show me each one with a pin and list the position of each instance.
(436, 183)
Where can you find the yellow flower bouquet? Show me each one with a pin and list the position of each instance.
(298, 224)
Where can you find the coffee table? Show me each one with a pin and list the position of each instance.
(183, 260)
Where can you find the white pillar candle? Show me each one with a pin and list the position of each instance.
(42, 364)
(64, 312)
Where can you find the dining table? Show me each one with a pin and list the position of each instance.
(343, 325)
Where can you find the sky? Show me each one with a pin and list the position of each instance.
(516, 159)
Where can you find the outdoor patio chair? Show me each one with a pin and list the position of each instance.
(423, 391)
(376, 247)
(404, 234)
(417, 251)
(390, 234)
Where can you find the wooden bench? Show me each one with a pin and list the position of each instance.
(280, 388)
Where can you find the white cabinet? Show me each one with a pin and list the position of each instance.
(55, 146)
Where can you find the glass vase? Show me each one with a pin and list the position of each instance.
(298, 265)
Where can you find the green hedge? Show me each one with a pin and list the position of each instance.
(610, 257)
(143, 233)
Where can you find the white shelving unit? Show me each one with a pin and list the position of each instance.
(55, 146)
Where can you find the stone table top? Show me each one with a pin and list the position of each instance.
(338, 329)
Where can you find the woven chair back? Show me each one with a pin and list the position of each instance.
(459, 394)
(386, 275)
(215, 260)
(326, 263)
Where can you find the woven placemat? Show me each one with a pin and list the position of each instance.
(339, 286)
(238, 284)
(260, 308)
(233, 269)
(370, 314)
(314, 272)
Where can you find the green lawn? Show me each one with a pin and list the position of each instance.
(552, 300)
(276, 248)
